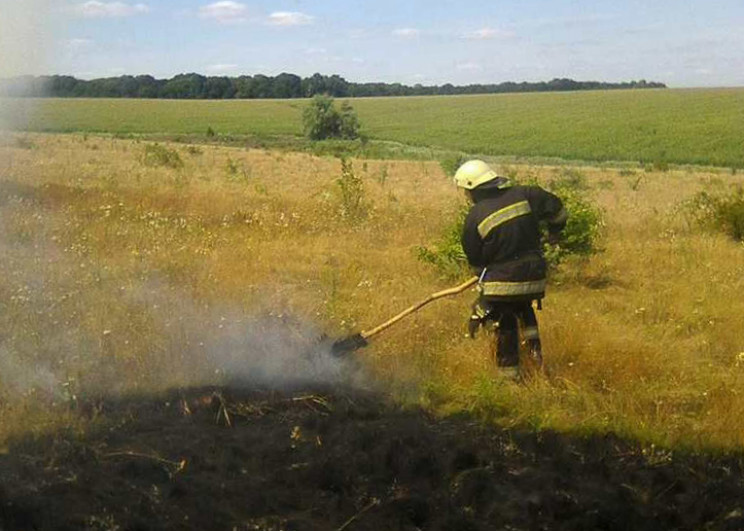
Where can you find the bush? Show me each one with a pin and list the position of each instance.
(349, 122)
(354, 207)
(579, 238)
(569, 178)
(721, 212)
(451, 164)
(447, 254)
(24, 143)
(322, 120)
(157, 155)
(583, 229)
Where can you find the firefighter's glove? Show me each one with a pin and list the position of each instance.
(474, 323)
(478, 318)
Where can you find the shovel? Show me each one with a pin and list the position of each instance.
(356, 341)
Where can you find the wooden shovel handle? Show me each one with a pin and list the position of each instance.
(434, 296)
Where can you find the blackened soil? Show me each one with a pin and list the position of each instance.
(210, 459)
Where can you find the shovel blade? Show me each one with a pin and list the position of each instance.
(347, 345)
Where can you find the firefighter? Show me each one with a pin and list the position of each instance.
(501, 239)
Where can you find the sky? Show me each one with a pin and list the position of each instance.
(683, 43)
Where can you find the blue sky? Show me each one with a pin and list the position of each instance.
(682, 43)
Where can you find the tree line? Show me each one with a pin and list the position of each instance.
(197, 86)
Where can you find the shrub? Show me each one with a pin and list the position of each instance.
(157, 155)
(570, 178)
(450, 165)
(580, 237)
(22, 142)
(583, 229)
(720, 212)
(236, 170)
(322, 120)
(447, 254)
(194, 150)
(349, 126)
(353, 207)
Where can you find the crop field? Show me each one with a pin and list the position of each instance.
(131, 268)
(653, 127)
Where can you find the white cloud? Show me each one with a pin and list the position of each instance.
(290, 18)
(406, 32)
(96, 9)
(225, 12)
(487, 33)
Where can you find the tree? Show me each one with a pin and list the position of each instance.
(287, 86)
(349, 128)
(261, 87)
(216, 88)
(148, 87)
(314, 85)
(321, 120)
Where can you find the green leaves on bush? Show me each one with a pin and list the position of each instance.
(583, 229)
(157, 155)
(447, 254)
(723, 212)
(322, 120)
(451, 164)
(579, 238)
(354, 206)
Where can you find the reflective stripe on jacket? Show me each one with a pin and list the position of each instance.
(502, 235)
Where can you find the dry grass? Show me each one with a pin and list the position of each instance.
(109, 263)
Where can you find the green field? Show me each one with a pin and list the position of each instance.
(703, 127)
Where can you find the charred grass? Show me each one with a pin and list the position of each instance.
(338, 458)
(110, 264)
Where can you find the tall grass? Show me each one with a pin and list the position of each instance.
(107, 260)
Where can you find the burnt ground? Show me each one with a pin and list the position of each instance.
(214, 459)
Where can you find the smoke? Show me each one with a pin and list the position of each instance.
(49, 298)
(220, 344)
(26, 37)
(48, 352)
(66, 332)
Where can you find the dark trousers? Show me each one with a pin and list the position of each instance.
(507, 317)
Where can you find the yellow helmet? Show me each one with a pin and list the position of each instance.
(473, 174)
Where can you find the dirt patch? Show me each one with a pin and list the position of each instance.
(332, 460)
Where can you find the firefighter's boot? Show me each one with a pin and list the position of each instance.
(508, 342)
(534, 356)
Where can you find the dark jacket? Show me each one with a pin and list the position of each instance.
(502, 235)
